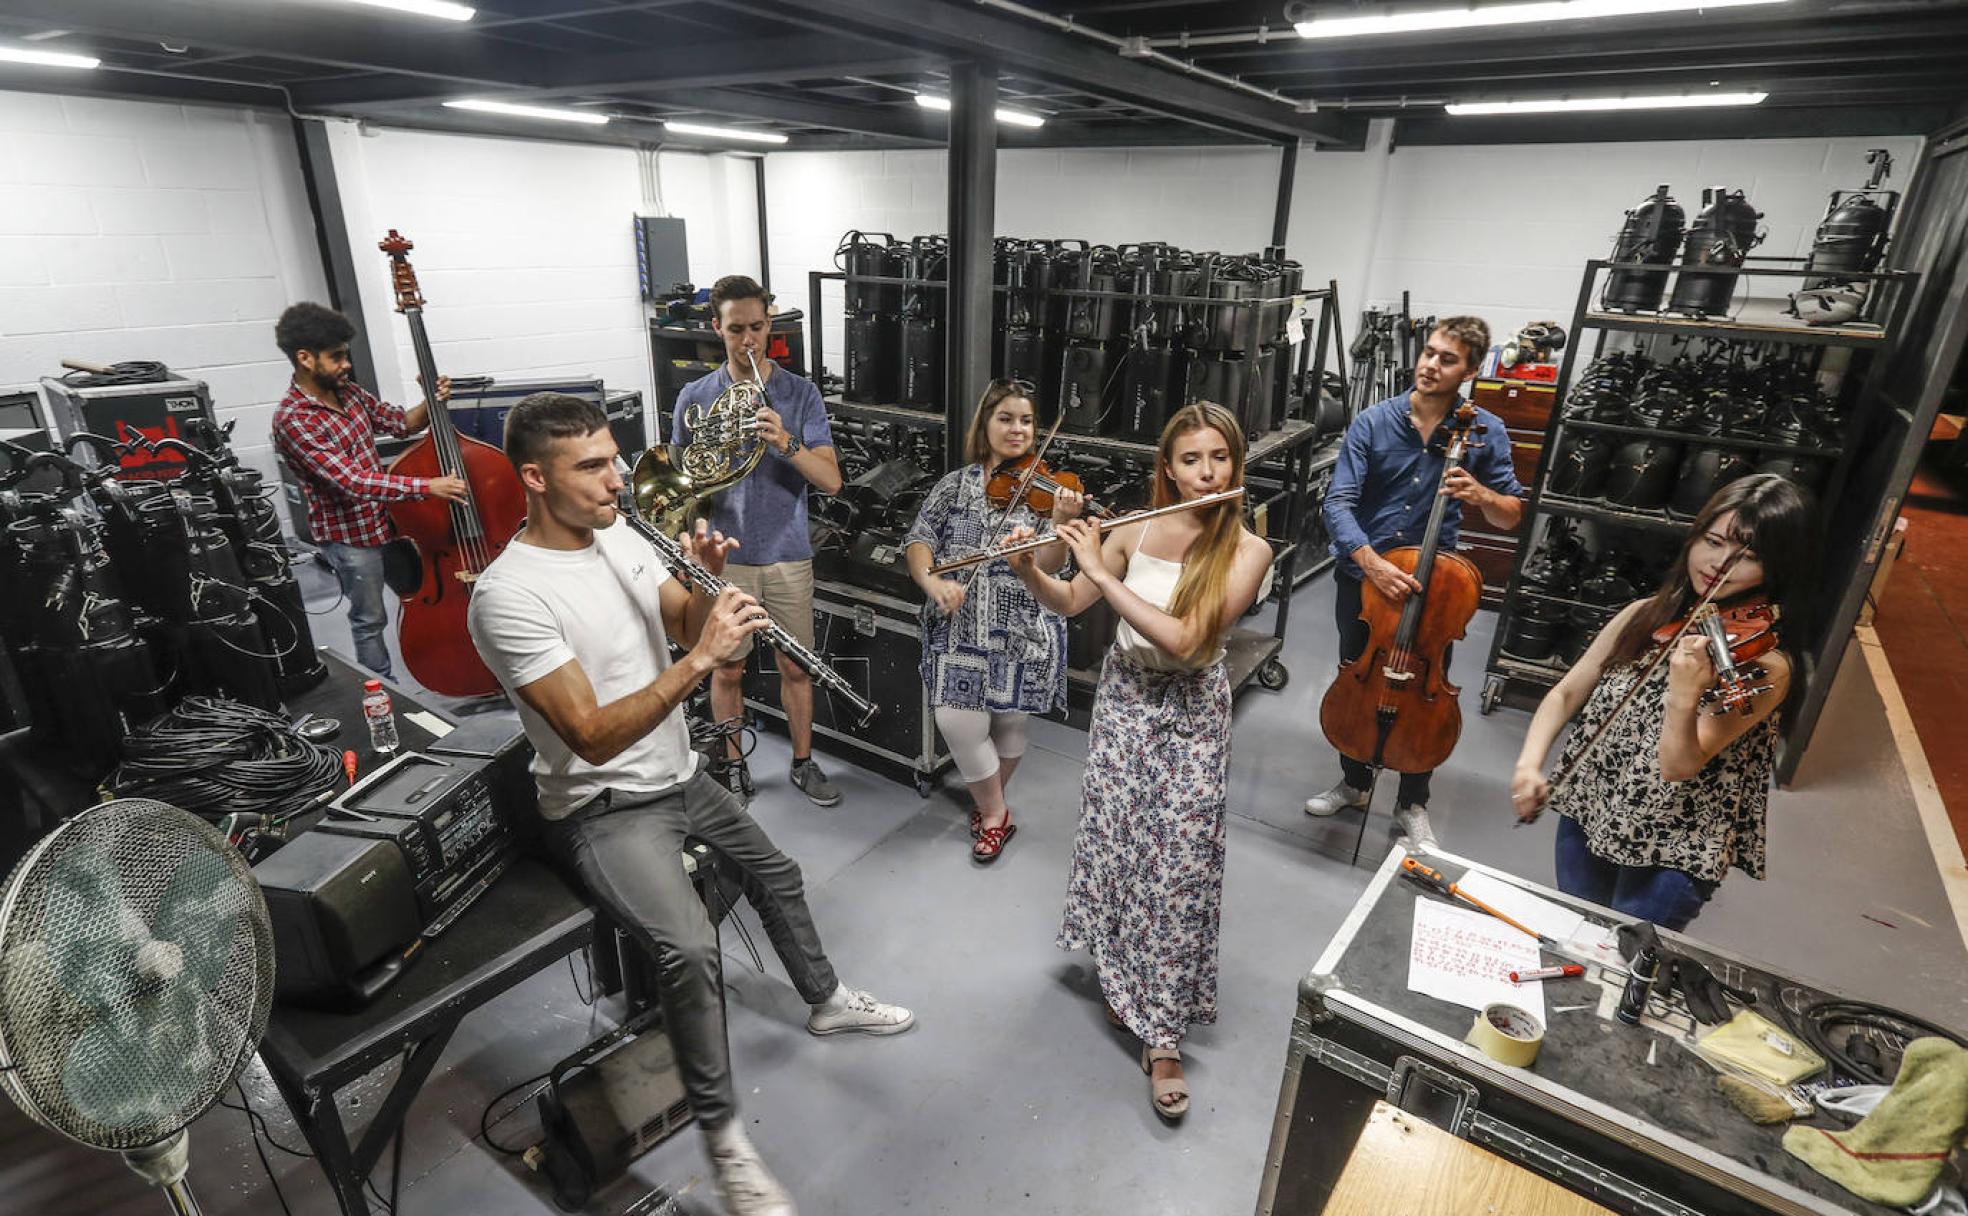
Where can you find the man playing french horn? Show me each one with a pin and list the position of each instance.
(575, 620)
(766, 514)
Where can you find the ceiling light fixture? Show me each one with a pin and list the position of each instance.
(47, 59)
(443, 10)
(1677, 101)
(516, 111)
(1501, 14)
(1014, 118)
(740, 133)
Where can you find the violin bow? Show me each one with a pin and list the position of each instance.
(1017, 495)
(1565, 774)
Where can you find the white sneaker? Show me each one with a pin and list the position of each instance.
(748, 1188)
(1341, 797)
(860, 1013)
(1413, 821)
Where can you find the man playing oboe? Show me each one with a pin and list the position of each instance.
(575, 619)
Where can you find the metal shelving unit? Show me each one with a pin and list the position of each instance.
(1510, 676)
(1281, 466)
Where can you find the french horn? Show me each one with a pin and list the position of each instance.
(673, 482)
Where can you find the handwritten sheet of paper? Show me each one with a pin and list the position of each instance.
(1553, 920)
(1465, 957)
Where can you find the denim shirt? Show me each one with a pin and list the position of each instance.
(1385, 483)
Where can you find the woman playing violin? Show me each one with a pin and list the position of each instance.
(991, 655)
(1658, 811)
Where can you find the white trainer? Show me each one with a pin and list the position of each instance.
(1413, 821)
(748, 1188)
(1341, 797)
(859, 1013)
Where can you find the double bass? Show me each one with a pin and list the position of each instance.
(1393, 706)
(455, 541)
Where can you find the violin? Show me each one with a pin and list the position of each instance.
(1040, 484)
(1736, 636)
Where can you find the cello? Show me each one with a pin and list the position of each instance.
(1393, 706)
(455, 541)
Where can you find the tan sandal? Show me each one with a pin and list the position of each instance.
(1160, 1089)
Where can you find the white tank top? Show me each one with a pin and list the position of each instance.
(1153, 579)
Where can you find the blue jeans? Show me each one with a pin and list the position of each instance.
(1668, 898)
(359, 569)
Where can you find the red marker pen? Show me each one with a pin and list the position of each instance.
(1547, 973)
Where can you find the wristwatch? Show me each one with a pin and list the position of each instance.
(792, 447)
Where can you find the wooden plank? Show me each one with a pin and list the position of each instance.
(1405, 1164)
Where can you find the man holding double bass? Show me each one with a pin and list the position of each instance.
(1390, 472)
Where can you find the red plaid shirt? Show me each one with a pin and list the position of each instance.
(333, 455)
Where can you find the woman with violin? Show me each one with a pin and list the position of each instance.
(991, 655)
(1146, 888)
(1663, 787)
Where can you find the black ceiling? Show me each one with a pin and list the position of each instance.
(841, 73)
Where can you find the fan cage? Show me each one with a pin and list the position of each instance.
(148, 1047)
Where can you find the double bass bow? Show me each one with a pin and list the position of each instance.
(1393, 706)
(455, 541)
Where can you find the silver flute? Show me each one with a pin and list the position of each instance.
(774, 634)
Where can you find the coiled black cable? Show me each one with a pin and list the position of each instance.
(1862, 1040)
(214, 757)
(136, 371)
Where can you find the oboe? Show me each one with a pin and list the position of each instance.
(774, 634)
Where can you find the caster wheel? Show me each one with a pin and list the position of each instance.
(1273, 675)
(924, 785)
(1492, 693)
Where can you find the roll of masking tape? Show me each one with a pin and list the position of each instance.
(1506, 1034)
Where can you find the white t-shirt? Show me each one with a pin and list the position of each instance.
(533, 609)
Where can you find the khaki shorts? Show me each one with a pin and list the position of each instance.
(786, 590)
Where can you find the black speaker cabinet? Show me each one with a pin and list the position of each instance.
(920, 346)
(159, 409)
(872, 362)
(343, 909)
(1083, 385)
(1024, 357)
(875, 641)
(1150, 393)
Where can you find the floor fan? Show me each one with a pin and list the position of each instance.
(136, 972)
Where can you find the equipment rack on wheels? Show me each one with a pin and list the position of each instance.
(1863, 355)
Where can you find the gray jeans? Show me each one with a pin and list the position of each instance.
(359, 570)
(626, 847)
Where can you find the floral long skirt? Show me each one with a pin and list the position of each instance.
(1146, 890)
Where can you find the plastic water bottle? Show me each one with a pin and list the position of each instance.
(381, 718)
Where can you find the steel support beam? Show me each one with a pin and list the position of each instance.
(889, 122)
(109, 81)
(331, 234)
(973, 218)
(967, 31)
(1287, 174)
(765, 246)
(1750, 122)
(720, 63)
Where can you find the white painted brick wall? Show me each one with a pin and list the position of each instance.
(1505, 233)
(525, 249)
(132, 230)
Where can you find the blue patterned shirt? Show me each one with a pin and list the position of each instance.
(1002, 651)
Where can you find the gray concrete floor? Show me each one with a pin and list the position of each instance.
(1012, 1094)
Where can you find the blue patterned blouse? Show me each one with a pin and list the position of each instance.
(1002, 652)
